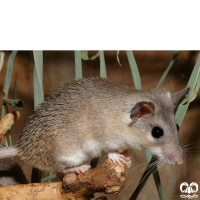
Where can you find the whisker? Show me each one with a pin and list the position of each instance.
(128, 184)
(153, 172)
(186, 154)
(137, 167)
(190, 148)
(142, 158)
(189, 144)
(149, 172)
(140, 165)
(159, 167)
(193, 139)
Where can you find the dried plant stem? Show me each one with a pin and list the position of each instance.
(7, 122)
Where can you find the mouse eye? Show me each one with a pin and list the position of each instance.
(157, 132)
(177, 127)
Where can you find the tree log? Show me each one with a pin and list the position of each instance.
(108, 178)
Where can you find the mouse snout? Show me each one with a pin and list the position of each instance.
(174, 156)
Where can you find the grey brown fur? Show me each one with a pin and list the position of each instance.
(87, 117)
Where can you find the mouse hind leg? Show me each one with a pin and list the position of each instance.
(76, 163)
(78, 170)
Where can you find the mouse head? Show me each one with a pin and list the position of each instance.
(154, 124)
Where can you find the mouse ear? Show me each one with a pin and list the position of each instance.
(177, 97)
(142, 108)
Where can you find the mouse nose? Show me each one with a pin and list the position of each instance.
(178, 160)
(174, 157)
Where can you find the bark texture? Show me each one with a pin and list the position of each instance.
(108, 178)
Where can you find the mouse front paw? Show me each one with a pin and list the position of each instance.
(78, 170)
(128, 158)
(82, 169)
(129, 163)
(120, 159)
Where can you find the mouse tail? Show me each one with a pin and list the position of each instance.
(6, 152)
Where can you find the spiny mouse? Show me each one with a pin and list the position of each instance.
(87, 117)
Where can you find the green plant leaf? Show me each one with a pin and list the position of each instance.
(134, 70)
(8, 75)
(163, 77)
(78, 65)
(194, 84)
(118, 58)
(38, 78)
(102, 65)
(95, 56)
(14, 109)
(49, 178)
(3, 111)
(84, 55)
(2, 54)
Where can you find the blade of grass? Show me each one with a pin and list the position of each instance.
(163, 77)
(102, 65)
(38, 98)
(49, 178)
(8, 75)
(2, 54)
(14, 109)
(38, 78)
(3, 112)
(194, 84)
(15, 91)
(95, 56)
(78, 65)
(84, 55)
(134, 70)
(118, 58)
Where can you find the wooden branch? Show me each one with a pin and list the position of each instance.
(7, 122)
(108, 178)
